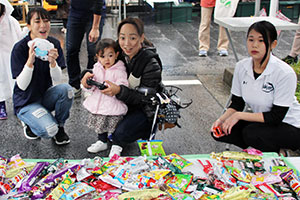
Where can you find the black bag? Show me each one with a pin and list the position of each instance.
(55, 2)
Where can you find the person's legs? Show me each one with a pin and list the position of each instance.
(74, 37)
(223, 41)
(236, 136)
(295, 51)
(204, 28)
(271, 138)
(134, 126)
(59, 98)
(91, 46)
(39, 119)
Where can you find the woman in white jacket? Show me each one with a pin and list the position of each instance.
(10, 32)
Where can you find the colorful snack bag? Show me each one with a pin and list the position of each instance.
(165, 164)
(207, 166)
(240, 175)
(15, 162)
(180, 182)
(53, 167)
(145, 194)
(232, 155)
(10, 173)
(76, 190)
(3, 166)
(15, 180)
(178, 161)
(269, 178)
(291, 179)
(101, 186)
(32, 176)
(253, 151)
(151, 148)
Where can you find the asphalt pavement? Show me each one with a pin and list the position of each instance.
(201, 79)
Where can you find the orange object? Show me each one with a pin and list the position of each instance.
(49, 7)
(218, 132)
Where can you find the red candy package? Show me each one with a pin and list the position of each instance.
(101, 186)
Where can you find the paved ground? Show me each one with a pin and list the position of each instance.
(177, 45)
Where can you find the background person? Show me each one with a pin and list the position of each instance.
(85, 18)
(10, 32)
(267, 85)
(34, 95)
(207, 7)
(144, 70)
(105, 111)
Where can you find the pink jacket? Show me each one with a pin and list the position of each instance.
(207, 3)
(99, 103)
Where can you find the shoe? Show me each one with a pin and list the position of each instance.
(223, 52)
(64, 30)
(28, 133)
(202, 53)
(290, 60)
(77, 92)
(96, 147)
(284, 153)
(3, 113)
(61, 137)
(115, 149)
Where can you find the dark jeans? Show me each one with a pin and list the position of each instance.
(262, 136)
(76, 30)
(135, 125)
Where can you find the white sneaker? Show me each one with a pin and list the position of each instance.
(115, 149)
(96, 147)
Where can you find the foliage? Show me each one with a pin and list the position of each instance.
(296, 67)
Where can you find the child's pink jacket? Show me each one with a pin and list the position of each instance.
(99, 103)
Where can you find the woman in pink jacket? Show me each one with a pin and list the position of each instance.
(105, 111)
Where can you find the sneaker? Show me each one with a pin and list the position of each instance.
(64, 30)
(115, 149)
(223, 52)
(202, 53)
(28, 133)
(290, 60)
(3, 113)
(77, 92)
(96, 147)
(61, 137)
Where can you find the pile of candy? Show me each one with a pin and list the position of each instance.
(226, 175)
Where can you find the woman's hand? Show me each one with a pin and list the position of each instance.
(218, 122)
(52, 56)
(112, 89)
(88, 75)
(230, 122)
(31, 56)
(94, 35)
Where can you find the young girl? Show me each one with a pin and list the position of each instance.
(267, 85)
(105, 111)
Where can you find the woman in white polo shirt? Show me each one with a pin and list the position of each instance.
(268, 86)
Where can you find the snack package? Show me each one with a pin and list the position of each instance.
(233, 155)
(12, 182)
(291, 179)
(10, 173)
(269, 178)
(76, 190)
(151, 148)
(15, 162)
(240, 175)
(178, 161)
(145, 194)
(101, 186)
(165, 164)
(253, 151)
(3, 166)
(180, 182)
(41, 48)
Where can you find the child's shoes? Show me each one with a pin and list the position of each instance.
(98, 146)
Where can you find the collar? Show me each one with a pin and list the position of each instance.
(268, 70)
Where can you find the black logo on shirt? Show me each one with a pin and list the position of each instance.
(244, 82)
(267, 87)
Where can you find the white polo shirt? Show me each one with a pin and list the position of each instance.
(276, 85)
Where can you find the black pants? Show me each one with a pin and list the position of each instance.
(135, 125)
(262, 136)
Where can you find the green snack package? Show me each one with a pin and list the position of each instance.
(151, 148)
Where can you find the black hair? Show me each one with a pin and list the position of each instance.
(105, 43)
(2, 9)
(268, 31)
(138, 24)
(41, 12)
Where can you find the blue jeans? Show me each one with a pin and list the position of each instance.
(38, 115)
(135, 125)
(76, 30)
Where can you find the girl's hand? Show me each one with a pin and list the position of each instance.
(218, 122)
(112, 89)
(230, 122)
(31, 56)
(52, 56)
(87, 76)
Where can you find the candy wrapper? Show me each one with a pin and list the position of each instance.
(58, 164)
(232, 155)
(3, 166)
(253, 151)
(16, 162)
(291, 179)
(145, 194)
(76, 190)
(179, 182)
(240, 175)
(269, 178)
(41, 48)
(101, 186)
(165, 164)
(151, 148)
(10, 173)
(178, 161)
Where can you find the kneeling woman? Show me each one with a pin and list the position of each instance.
(268, 86)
